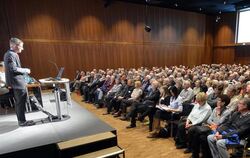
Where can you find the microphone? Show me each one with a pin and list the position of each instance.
(54, 64)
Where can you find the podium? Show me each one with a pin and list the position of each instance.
(56, 84)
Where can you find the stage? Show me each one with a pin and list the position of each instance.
(81, 123)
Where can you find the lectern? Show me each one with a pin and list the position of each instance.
(56, 84)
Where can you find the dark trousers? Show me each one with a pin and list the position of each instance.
(124, 104)
(135, 109)
(20, 96)
(85, 91)
(162, 115)
(199, 141)
(181, 134)
(113, 104)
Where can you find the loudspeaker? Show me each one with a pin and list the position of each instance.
(147, 28)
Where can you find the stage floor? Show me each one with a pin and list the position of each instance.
(81, 123)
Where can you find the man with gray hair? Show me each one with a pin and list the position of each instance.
(14, 74)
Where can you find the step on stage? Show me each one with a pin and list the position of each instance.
(41, 140)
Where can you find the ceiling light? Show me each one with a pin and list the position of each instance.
(176, 5)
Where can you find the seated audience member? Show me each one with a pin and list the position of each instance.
(86, 88)
(187, 93)
(234, 98)
(238, 125)
(198, 135)
(199, 114)
(145, 84)
(209, 85)
(4, 91)
(167, 105)
(247, 95)
(134, 98)
(178, 85)
(212, 98)
(79, 84)
(112, 92)
(72, 84)
(89, 94)
(101, 91)
(197, 87)
(124, 94)
(204, 87)
(3, 88)
(142, 107)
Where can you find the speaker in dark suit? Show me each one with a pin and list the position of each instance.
(14, 74)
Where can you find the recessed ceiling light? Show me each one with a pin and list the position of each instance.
(200, 9)
(225, 2)
(176, 5)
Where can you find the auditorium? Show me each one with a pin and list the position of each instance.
(125, 78)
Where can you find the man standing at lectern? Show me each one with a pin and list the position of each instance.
(15, 79)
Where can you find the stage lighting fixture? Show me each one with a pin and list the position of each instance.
(147, 28)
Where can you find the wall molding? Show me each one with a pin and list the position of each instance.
(108, 42)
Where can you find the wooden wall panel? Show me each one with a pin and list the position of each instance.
(223, 55)
(242, 55)
(207, 56)
(83, 34)
(225, 30)
(224, 39)
(4, 32)
(225, 49)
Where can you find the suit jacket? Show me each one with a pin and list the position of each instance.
(153, 96)
(13, 72)
(237, 123)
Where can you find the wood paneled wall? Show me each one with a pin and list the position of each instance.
(83, 34)
(225, 49)
(242, 55)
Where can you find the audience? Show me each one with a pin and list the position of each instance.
(189, 93)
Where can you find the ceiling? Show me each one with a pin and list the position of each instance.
(202, 6)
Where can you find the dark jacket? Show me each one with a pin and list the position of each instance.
(154, 96)
(125, 91)
(238, 124)
(13, 72)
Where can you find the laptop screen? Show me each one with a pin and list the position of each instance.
(59, 75)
